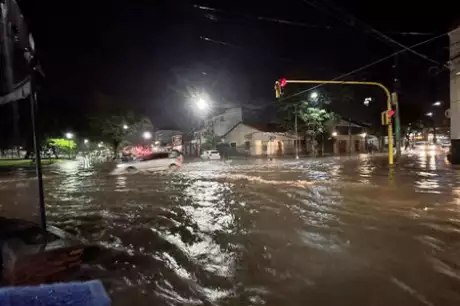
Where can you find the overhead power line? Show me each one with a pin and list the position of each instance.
(368, 65)
(296, 23)
(353, 21)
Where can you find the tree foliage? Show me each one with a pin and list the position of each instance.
(313, 118)
(210, 139)
(111, 127)
(60, 145)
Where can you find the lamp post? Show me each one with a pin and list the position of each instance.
(296, 136)
(202, 104)
(69, 136)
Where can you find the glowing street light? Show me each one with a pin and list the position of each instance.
(86, 141)
(430, 114)
(314, 95)
(334, 134)
(147, 135)
(437, 103)
(363, 135)
(125, 127)
(69, 135)
(202, 104)
(99, 145)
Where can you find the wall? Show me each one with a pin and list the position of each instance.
(346, 139)
(223, 122)
(255, 142)
(455, 94)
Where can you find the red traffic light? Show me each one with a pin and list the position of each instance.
(283, 82)
(390, 113)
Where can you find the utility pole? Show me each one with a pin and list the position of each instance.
(395, 102)
(296, 137)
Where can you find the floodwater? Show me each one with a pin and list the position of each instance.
(327, 231)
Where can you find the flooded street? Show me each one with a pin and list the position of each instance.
(327, 231)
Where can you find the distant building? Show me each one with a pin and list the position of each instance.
(351, 137)
(257, 140)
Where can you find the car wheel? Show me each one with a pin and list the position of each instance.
(131, 169)
(173, 167)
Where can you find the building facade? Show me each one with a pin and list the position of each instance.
(258, 140)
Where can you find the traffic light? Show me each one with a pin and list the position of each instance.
(386, 116)
(279, 87)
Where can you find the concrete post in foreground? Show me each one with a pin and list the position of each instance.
(454, 37)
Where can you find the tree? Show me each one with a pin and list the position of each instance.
(115, 127)
(58, 145)
(210, 138)
(313, 119)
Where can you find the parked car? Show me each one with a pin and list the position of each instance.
(153, 162)
(210, 154)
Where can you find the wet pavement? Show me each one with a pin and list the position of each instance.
(327, 231)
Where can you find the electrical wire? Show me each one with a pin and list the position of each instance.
(366, 66)
(296, 23)
(353, 21)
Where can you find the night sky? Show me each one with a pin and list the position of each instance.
(151, 54)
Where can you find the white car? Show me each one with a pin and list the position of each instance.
(156, 161)
(210, 154)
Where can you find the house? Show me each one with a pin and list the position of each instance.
(220, 123)
(257, 140)
(351, 137)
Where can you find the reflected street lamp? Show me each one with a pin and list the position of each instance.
(69, 135)
(314, 95)
(430, 114)
(334, 134)
(86, 141)
(125, 127)
(437, 103)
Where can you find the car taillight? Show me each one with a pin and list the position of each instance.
(179, 159)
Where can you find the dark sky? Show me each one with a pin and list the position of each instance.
(152, 55)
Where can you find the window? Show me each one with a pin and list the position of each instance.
(233, 144)
(247, 145)
(155, 156)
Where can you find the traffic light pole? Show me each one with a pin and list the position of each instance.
(387, 93)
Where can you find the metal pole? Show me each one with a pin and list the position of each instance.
(296, 136)
(395, 102)
(38, 163)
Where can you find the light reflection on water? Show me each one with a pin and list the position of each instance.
(328, 231)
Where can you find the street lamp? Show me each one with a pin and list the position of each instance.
(125, 127)
(430, 114)
(202, 104)
(437, 103)
(314, 95)
(147, 135)
(363, 135)
(86, 141)
(334, 134)
(69, 135)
